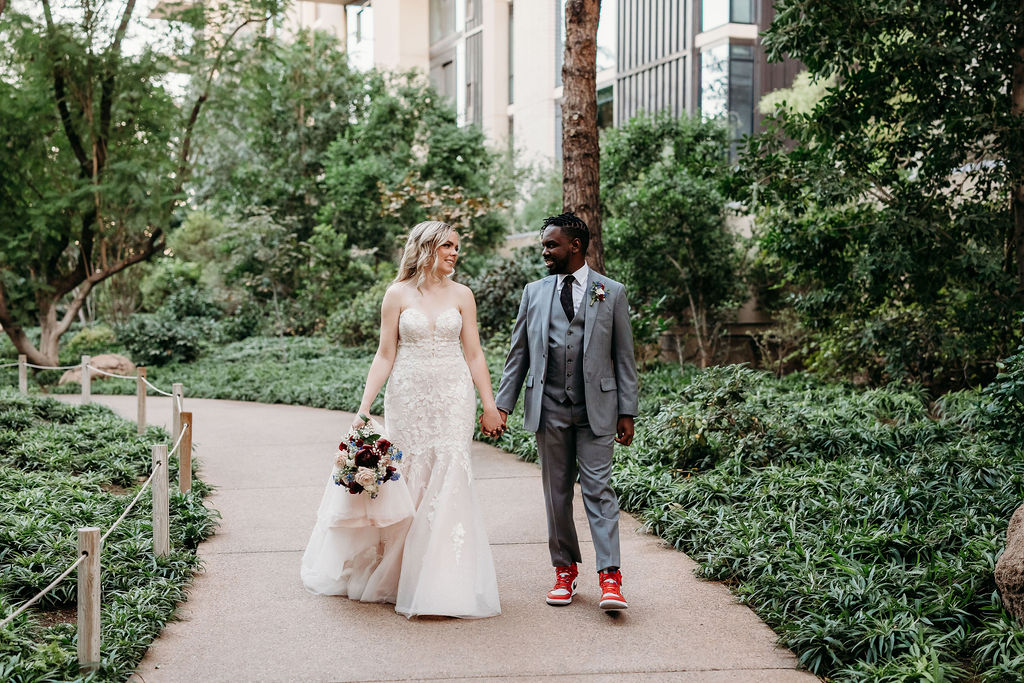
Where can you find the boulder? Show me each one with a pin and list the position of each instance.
(109, 362)
(1010, 567)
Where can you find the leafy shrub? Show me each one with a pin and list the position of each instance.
(158, 338)
(92, 340)
(357, 322)
(178, 330)
(498, 289)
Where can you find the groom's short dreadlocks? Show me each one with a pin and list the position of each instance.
(572, 225)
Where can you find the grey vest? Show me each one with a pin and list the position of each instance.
(564, 377)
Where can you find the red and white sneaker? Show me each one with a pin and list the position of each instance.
(611, 591)
(565, 585)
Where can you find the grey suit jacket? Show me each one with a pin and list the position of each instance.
(609, 370)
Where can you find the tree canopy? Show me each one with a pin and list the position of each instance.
(891, 208)
(99, 149)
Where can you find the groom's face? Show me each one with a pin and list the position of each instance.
(558, 249)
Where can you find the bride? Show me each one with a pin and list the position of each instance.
(437, 562)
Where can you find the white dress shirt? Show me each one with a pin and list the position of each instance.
(578, 286)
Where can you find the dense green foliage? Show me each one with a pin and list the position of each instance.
(97, 148)
(63, 467)
(498, 289)
(888, 208)
(662, 182)
(311, 182)
(862, 524)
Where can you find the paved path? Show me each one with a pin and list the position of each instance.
(248, 617)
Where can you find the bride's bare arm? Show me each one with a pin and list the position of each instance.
(474, 354)
(384, 359)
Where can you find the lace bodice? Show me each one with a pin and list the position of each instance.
(416, 332)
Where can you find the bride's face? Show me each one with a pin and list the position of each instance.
(448, 254)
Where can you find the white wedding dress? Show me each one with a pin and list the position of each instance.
(437, 562)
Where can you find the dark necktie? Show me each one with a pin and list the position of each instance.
(566, 297)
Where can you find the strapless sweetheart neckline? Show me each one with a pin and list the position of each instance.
(432, 326)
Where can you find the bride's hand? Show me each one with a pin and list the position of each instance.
(491, 423)
(359, 421)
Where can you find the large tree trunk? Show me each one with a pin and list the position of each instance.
(581, 192)
(1017, 95)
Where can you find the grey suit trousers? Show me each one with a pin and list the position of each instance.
(567, 446)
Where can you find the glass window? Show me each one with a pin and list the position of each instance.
(741, 91)
(605, 108)
(442, 19)
(606, 36)
(714, 81)
(359, 41)
(443, 75)
(511, 56)
(714, 13)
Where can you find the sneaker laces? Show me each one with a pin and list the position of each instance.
(610, 583)
(563, 579)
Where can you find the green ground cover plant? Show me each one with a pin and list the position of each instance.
(63, 467)
(862, 524)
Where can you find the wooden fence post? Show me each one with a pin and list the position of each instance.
(89, 599)
(22, 373)
(161, 503)
(140, 393)
(86, 380)
(177, 402)
(185, 454)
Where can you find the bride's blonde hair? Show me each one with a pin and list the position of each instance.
(420, 256)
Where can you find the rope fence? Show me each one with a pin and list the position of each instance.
(90, 541)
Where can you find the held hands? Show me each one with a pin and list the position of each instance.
(492, 423)
(624, 430)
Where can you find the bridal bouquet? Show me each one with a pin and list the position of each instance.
(366, 460)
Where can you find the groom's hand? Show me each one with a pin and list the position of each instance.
(624, 429)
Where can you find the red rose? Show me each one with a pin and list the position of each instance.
(383, 445)
(365, 457)
(355, 488)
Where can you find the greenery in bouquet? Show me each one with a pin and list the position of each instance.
(366, 460)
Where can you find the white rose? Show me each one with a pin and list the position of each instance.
(365, 477)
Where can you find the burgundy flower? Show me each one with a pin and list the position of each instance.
(355, 488)
(383, 445)
(365, 457)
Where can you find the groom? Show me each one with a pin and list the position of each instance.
(573, 346)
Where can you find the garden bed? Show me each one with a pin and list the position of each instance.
(64, 467)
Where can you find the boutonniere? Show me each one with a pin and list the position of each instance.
(597, 293)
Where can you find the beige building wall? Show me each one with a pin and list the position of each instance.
(401, 34)
(533, 106)
(319, 16)
(495, 70)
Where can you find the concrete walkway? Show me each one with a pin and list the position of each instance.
(248, 617)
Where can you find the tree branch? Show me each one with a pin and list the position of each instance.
(107, 85)
(62, 104)
(86, 286)
(16, 333)
(186, 143)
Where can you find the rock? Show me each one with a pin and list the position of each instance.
(1010, 567)
(108, 362)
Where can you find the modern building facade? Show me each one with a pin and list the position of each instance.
(500, 60)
